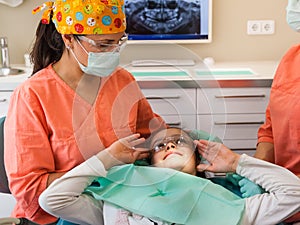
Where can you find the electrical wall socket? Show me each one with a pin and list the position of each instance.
(260, 27)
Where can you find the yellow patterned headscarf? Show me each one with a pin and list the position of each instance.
(85, 16)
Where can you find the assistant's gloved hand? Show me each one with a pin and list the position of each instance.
(64, 222)
(233, 178)
(247, 187)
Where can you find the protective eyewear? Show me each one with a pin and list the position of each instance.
(178, 140)
(99, 46)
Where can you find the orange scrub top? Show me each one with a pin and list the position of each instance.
(282, 125)
(49, 128)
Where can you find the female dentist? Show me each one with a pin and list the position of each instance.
(77, 102)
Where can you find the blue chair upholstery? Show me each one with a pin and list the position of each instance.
(3, 178)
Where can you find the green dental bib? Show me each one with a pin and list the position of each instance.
(168, 195)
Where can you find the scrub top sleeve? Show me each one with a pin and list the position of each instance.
(264, 133)
(282, 198)
(28, 155)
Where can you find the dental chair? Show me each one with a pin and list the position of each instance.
(3, 178)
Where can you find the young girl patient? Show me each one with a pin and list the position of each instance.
(163, 195)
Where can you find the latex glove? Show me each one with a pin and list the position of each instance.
(249, 188)
(234, 178)
(64, 222)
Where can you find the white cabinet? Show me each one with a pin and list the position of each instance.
(8, 85)
(232, 100)
(4, 101)
(233, 114)
(176, 105)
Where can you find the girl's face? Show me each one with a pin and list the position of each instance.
(173, 148)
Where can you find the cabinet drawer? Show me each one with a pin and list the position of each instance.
(231, 127)
(172, 101)
(183, 121)
(247, 146)
(232, 100)
(4, 102)
(247, 152)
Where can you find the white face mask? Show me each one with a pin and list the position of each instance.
(293, 14)
(100, 64)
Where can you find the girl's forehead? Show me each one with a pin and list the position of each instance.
(167, 133)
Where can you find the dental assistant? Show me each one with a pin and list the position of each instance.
(76, 103)
(278, 137)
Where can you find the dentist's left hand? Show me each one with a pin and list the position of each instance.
(123, 151)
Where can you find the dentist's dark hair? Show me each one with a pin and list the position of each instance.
(48, 47)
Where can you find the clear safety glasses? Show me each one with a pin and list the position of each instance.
(178, 140)
(99, 46)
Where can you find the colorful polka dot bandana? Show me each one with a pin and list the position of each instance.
(85, 16)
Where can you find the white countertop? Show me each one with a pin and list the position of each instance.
(220, 71)
(217, 71)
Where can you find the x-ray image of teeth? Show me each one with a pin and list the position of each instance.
(163, 16)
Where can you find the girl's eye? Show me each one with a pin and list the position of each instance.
(181, 141)
(159, 147)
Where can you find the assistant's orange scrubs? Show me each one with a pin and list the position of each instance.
(50, 129)
(282, 126)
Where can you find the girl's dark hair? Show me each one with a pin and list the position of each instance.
(198, 160)
(48, 46)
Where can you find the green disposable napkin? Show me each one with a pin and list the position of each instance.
(168, 195)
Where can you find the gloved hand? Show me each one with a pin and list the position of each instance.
(65, 222)
(247, 187)
(233, 178)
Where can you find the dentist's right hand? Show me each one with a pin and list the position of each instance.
(123, 151)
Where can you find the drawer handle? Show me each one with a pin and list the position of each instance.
(240, 123)
(240, 96)
(174, 124)
(3, 100)
(162, 97)
(243, 149)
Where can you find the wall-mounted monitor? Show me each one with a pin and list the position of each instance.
(177, 21)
